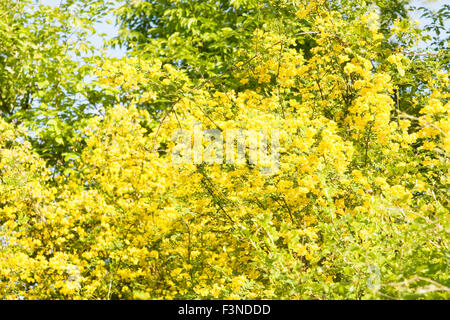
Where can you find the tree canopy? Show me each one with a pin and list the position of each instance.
(352, 205)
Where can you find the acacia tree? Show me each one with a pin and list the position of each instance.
(208, 38)
(358, 208)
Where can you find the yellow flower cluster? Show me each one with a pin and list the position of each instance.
(131, 224)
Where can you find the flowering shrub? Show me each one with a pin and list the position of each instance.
(357, 209)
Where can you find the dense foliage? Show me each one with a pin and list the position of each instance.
(92, 205)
